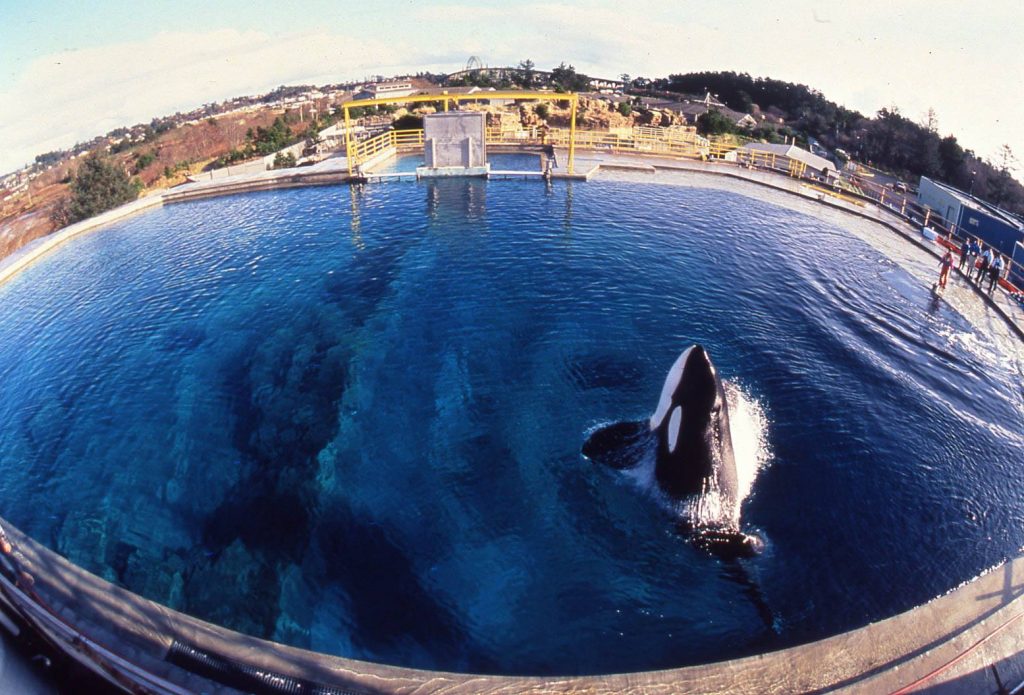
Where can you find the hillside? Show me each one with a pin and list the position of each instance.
(158, 162)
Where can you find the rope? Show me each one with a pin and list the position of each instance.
(963, 655)
(78, 641)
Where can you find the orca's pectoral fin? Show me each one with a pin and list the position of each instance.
(619, 445)
(736, 572)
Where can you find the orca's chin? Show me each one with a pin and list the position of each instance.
(726, 544)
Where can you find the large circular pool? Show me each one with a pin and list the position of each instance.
(351, 420)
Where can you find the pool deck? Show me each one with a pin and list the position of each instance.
(961, 642)
(948, 645)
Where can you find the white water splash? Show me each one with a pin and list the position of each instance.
(749, 426)
(749, 438)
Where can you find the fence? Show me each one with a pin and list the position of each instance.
(371, 147)
(676, 142)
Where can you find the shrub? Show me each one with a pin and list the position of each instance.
(98, 185)
(284, 161)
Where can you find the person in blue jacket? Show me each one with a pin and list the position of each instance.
(973, 256)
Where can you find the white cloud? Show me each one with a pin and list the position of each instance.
(76, 95)
(915, 54)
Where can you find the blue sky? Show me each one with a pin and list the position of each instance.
(72, 70)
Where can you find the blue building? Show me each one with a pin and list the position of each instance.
(968, 216)
(1016, 275)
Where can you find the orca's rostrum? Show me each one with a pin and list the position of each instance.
(691, 441)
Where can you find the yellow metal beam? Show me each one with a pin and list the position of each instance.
(572, 138)
(348, 141)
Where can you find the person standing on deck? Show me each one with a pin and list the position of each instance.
(965, 250)
(945, 264)
(986, 261)
(994, 271)
(973, 257)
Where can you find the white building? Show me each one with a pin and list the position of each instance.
(784, 154)
(384, 90)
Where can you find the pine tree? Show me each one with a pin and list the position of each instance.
(99, 185)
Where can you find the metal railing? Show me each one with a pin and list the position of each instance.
(676, 142)
(363, 150)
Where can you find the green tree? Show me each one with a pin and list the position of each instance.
(929, 162)
(408, 122)
(625, 108)
(269, 140)
(144, 160)
(98, 185)
(714, 123)
(527, 74)
(566, 79)
(951, 158)
(931, 120)
(1001, 188)
(284, 161)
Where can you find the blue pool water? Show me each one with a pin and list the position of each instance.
(407, 164)
(350, 420)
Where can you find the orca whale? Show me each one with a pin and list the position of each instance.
(691, 441)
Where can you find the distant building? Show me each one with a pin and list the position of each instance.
(466, 91)
(659, 103)
(785, 155)
(602, 84)
(384, 90)
(970, 216)
(333, 137)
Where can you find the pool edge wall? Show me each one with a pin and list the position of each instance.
(954, 638)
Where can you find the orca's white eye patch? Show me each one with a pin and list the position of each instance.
(675, 375)
(674, 422)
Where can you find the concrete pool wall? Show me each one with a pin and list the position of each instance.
(951, 641)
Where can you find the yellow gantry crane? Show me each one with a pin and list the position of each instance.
(447, 99)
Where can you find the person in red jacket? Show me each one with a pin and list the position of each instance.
(945, 264)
